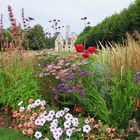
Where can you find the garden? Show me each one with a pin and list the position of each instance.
(92, 93)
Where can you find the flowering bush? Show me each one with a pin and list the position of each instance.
(70, 91)
(47, 124)
(52, 74)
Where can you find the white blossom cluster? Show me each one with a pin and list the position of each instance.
(70, 123)
(35, 104)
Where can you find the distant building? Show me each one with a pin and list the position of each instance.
(67, 44)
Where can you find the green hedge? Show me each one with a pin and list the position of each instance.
(113, 28)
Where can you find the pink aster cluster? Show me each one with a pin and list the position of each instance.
(62, 67)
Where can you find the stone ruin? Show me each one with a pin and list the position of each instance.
(67, 44)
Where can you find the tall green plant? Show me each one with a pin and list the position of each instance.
(124, 95)
(17, 81)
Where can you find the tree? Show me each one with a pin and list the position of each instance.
(36, 38)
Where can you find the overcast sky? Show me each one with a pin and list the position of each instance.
(68, 11)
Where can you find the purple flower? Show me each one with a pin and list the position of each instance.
(54, 90)
(56, 96)
(138, 72)
(137, 79)
(82, 93)
(84, 72)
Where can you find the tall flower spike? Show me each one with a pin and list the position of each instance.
(11, 16)
(23, 19)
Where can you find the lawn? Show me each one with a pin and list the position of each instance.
(9, 134)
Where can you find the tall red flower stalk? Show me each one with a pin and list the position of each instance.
(16, 44)
(11, 16)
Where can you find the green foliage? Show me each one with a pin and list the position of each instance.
(36, 39)
(124, 97)
(17, 82)
(114, 28)
(95, 103)
(8, 134)
(50, 42)
(103, 80)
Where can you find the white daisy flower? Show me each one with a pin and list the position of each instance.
(42, 122)
(37, 122)
(55, 121)
(86, 128)
(57, 115)
(75, 122)
(52, 128)
(60, 131)
(21, 109)
(49, 117)
(67, 124)
(29, 106)
(69, 132)
(38, 134)
(20, 103)
(87, 121)
(66, 109)
(37, 102)
(43, 103)
(62, 113)
(68, 116)
(52, 112)
(54, 124)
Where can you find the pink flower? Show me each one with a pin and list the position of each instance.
(30, 131)
(22, 117)
(20, 125)
(25, 124)
(31, 101)
(28, 110)
(33, 126)
(28, 124)
(96, 126)
(32, 118)
(42, 108)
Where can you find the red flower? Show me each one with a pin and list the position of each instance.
(78, 109)
(86, 55)
(92, 49)
(79, 48)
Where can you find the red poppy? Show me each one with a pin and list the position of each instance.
(86, 55)
(80, 48)
(78, 109)
(92, 49)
